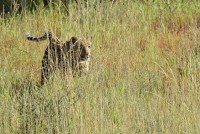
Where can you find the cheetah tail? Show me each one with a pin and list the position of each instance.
(37, 39)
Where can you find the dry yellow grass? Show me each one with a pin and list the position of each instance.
(144, 74)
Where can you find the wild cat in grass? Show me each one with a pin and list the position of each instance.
(73, 55)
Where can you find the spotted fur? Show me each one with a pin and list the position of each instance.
(72, 55)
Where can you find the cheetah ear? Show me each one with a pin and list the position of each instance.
(88, 36)
(74, 40)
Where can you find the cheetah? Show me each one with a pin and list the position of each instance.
(73, 55)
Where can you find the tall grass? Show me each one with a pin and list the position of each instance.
(144, 74)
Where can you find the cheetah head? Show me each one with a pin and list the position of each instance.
(82, 48)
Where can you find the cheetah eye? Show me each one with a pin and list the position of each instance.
(89, 46)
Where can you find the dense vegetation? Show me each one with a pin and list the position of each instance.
(144, 78)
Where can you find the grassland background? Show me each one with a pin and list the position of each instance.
(144, 74)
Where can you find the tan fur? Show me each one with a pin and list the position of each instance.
(73, 55)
